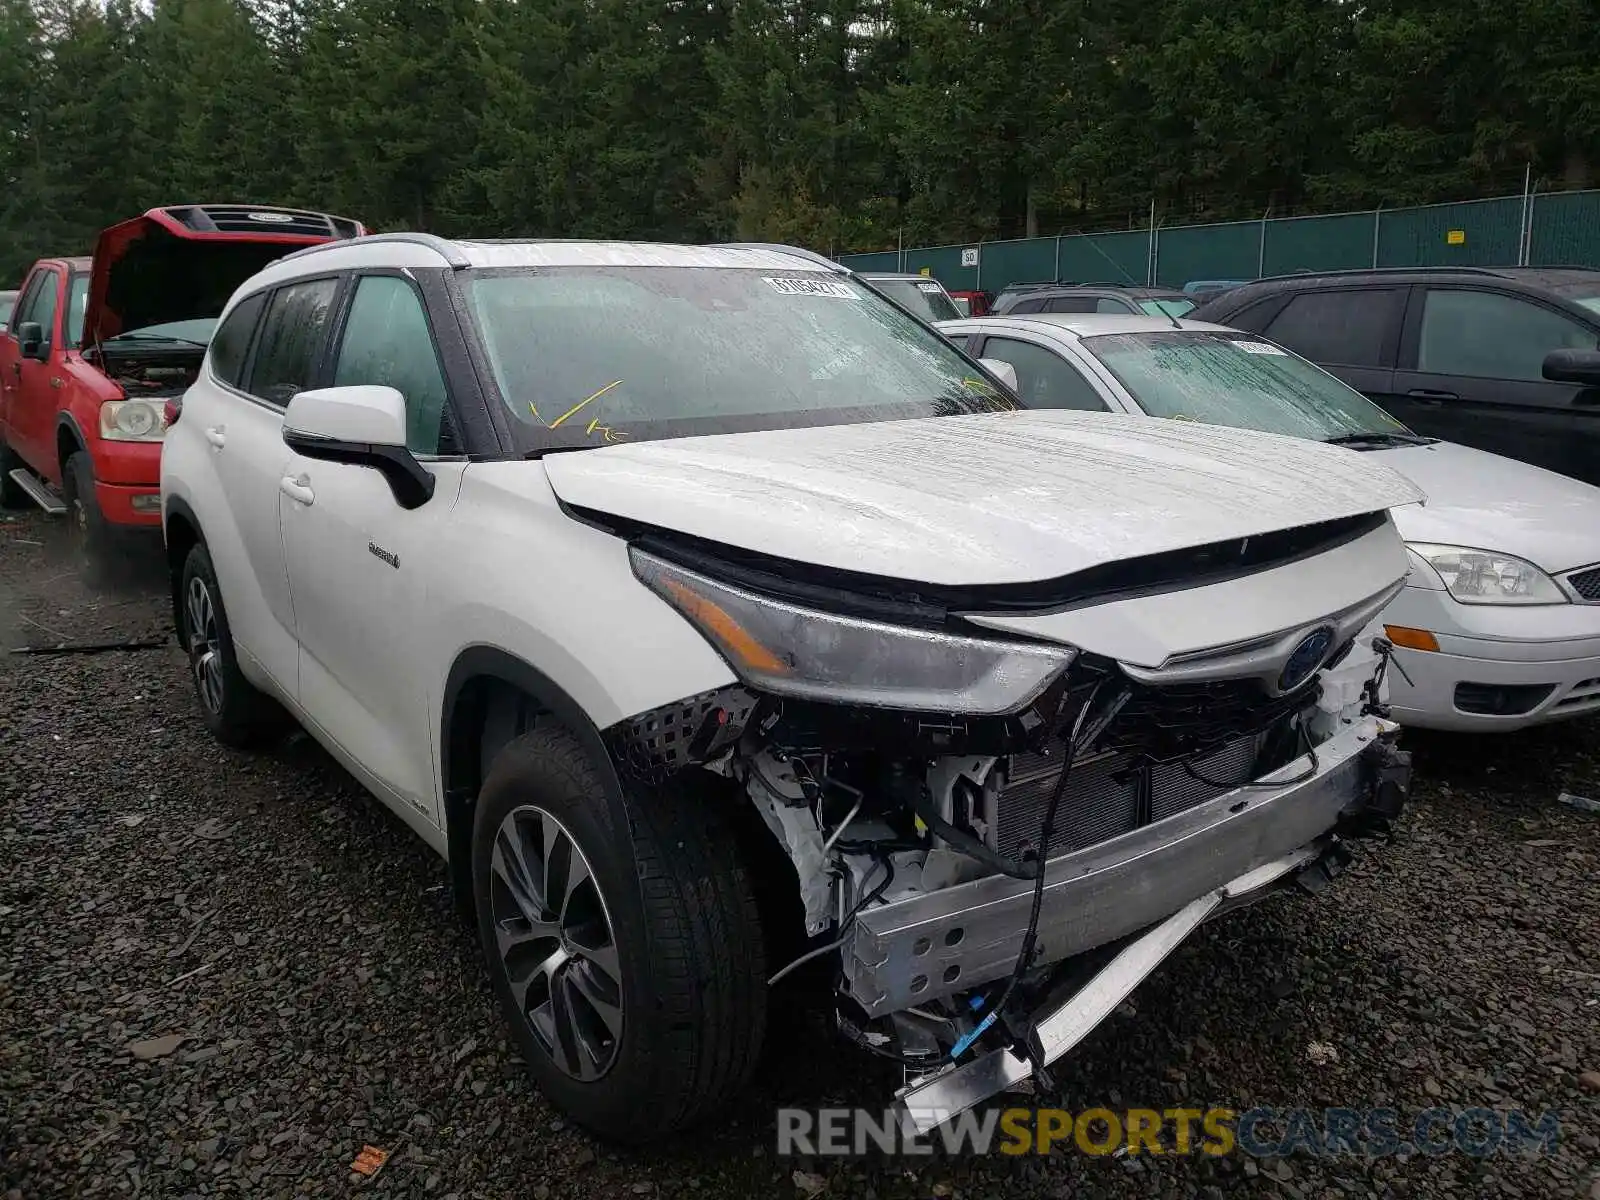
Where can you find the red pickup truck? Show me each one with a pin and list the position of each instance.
(95, 348)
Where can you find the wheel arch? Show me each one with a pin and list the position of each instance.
(490, 697)
(69, 441)
(180, 531)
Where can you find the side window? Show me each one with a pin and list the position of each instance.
(40, 305)
(1111, 304)
(291, 340)
(1072, 304)
(232, 339)
(958, 340)
(1492, 336)
(387, 341)
(1344, 328)
(1252, 318)
(1043, 379)
(24, 299)
(1028, 306)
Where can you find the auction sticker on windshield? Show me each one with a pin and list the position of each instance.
(1258, 348)
(810, 287)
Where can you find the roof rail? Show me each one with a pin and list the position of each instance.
(780, 248)
(445, 249)
(1558, 267)
(1448, 270)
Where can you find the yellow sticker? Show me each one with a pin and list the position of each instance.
(1456, 237)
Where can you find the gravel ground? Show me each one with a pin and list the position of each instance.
(301, 944)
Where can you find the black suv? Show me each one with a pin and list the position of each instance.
(1503, 359)
(1095, 298)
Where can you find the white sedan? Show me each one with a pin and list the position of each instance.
(1498, 626)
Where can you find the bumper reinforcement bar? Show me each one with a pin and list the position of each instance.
(931, 1101)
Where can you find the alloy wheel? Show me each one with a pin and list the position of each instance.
(205, 656)
(555, 939)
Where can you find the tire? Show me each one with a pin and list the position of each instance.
(668, 905)
(11, 495)
(233, 709)
(100, 553)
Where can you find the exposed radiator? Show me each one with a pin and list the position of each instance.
(1107, 795)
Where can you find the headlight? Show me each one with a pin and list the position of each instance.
(791, 651)
(132, 421)
(1486, 577)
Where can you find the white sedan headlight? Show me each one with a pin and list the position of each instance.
(788, 650)
(132, 421)
(1488, 577)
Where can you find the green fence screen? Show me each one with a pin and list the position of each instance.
(1540, 230)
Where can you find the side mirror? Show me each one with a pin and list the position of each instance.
(30, 336)
(363, 425)
(1573, 366)
(1003, 371)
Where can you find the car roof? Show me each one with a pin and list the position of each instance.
(425, 250)
(1135, 291)
(1081, 324)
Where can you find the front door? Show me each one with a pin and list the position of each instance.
(358, 561)
(1471, 371)
(32, 400)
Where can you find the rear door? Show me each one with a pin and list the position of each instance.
(1349, 332)
(1471, 371)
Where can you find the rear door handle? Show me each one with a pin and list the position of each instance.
(298, 490)
(217, 436)
(1431, 394)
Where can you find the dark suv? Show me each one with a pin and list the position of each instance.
(1096, 298)
(1461, 353)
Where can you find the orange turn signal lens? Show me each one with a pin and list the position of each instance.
(735, 638)
(1411, 639)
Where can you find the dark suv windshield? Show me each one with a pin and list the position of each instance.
(588, 355)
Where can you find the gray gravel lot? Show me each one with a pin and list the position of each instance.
(301, 944)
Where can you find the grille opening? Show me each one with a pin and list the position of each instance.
(1586, 583)
(1501, 699)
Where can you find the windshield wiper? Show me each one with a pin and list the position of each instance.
(1373, 437)
(152, 337)
(543, 450)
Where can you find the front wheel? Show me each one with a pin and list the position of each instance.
(95, 544)
(11, 493)
(622, 940)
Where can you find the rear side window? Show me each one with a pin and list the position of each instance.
(291, 340)
(232, 339)
(1488, 335)
(387, 341)
(1028, 306)
(1071, 304)
(1044, 379)
(1344, 328)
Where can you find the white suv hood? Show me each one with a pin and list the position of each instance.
(992, 498)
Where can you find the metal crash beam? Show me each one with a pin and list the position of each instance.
(931, 1102)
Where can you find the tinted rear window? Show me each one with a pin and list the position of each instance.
(1344, 328)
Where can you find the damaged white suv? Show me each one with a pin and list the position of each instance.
(714, 617)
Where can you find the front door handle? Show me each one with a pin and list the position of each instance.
(298, 490)
(217, 436)
(1430, 395)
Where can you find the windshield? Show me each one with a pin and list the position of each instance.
(77, 299)
(923, 297)
(587, 355)
(1235, 379)
(1590, 300)
(1168, 308)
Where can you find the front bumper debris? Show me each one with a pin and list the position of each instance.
(1163, 875)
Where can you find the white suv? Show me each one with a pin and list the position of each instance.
(712, 616)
